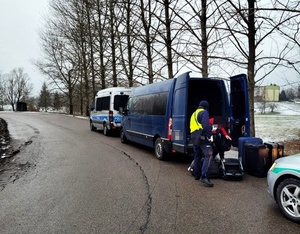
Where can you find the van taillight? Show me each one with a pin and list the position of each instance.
(110, 116)
(170, 129)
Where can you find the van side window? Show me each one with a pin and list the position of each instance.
(102, 103)
(153, 104)
(160, 103)
(120, 101)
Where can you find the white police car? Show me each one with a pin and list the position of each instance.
(284, 185)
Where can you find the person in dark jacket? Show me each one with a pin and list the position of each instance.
(201, 132)
(218, 135)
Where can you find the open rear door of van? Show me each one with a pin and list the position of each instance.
(239, 108)
(179, 114)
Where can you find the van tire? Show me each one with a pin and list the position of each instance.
(123, 137)
(92, 127)
(159, 151)
(105, 130)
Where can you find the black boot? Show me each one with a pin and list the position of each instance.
(207, 182)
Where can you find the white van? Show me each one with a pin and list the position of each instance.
(106, 113)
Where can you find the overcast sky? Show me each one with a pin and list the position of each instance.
(20, 21)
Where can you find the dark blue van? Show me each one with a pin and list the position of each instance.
(158, 115)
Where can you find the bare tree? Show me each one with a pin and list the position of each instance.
(126, 39)
(262, 106)
(88, 8)
(251, 24)
(101, 21)
(144, 31)
(165, 17)
(64, 49)
(83, 29)
(272, 106)
(202, 40)
(97, 44)
(292, 33)
(17, 86)
(112, 28)
(58, 65)
(167, 36)
(2, 91)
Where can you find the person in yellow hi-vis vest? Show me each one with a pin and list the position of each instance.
(201, 132)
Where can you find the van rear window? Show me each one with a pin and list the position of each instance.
(120, 101)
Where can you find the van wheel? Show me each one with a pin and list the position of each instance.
(123, 137)
(105, 130)
(92, 127)
(160, 153)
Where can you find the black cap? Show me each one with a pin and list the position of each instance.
(204, 104)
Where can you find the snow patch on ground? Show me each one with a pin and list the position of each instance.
(282, 125)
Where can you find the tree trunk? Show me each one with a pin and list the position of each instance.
(113, 46)
(128, 35)
(251, 63)
(101, 48)
(70, 94)
(146, 25)
(204, 39)
(168, 40)
(91, 47)
(12, 106)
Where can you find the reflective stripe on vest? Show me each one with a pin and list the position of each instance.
(194, 124)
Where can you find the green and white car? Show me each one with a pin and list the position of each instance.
(284, 185)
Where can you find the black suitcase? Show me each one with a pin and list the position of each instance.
(257, 159)
(276, 150)
(280, 150)
(273, 151)
(232, 169)
(241, 147)
(214, 170)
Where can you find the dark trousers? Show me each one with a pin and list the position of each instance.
(203, 150)
(219, 149)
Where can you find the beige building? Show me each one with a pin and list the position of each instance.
(269, 93)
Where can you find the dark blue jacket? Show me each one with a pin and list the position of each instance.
(203, 118)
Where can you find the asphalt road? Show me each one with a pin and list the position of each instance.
(67, 179)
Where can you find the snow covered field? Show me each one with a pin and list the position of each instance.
(283, 124)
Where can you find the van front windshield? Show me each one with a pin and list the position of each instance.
(120, 101)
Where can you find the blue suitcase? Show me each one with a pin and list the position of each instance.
(241, 147)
